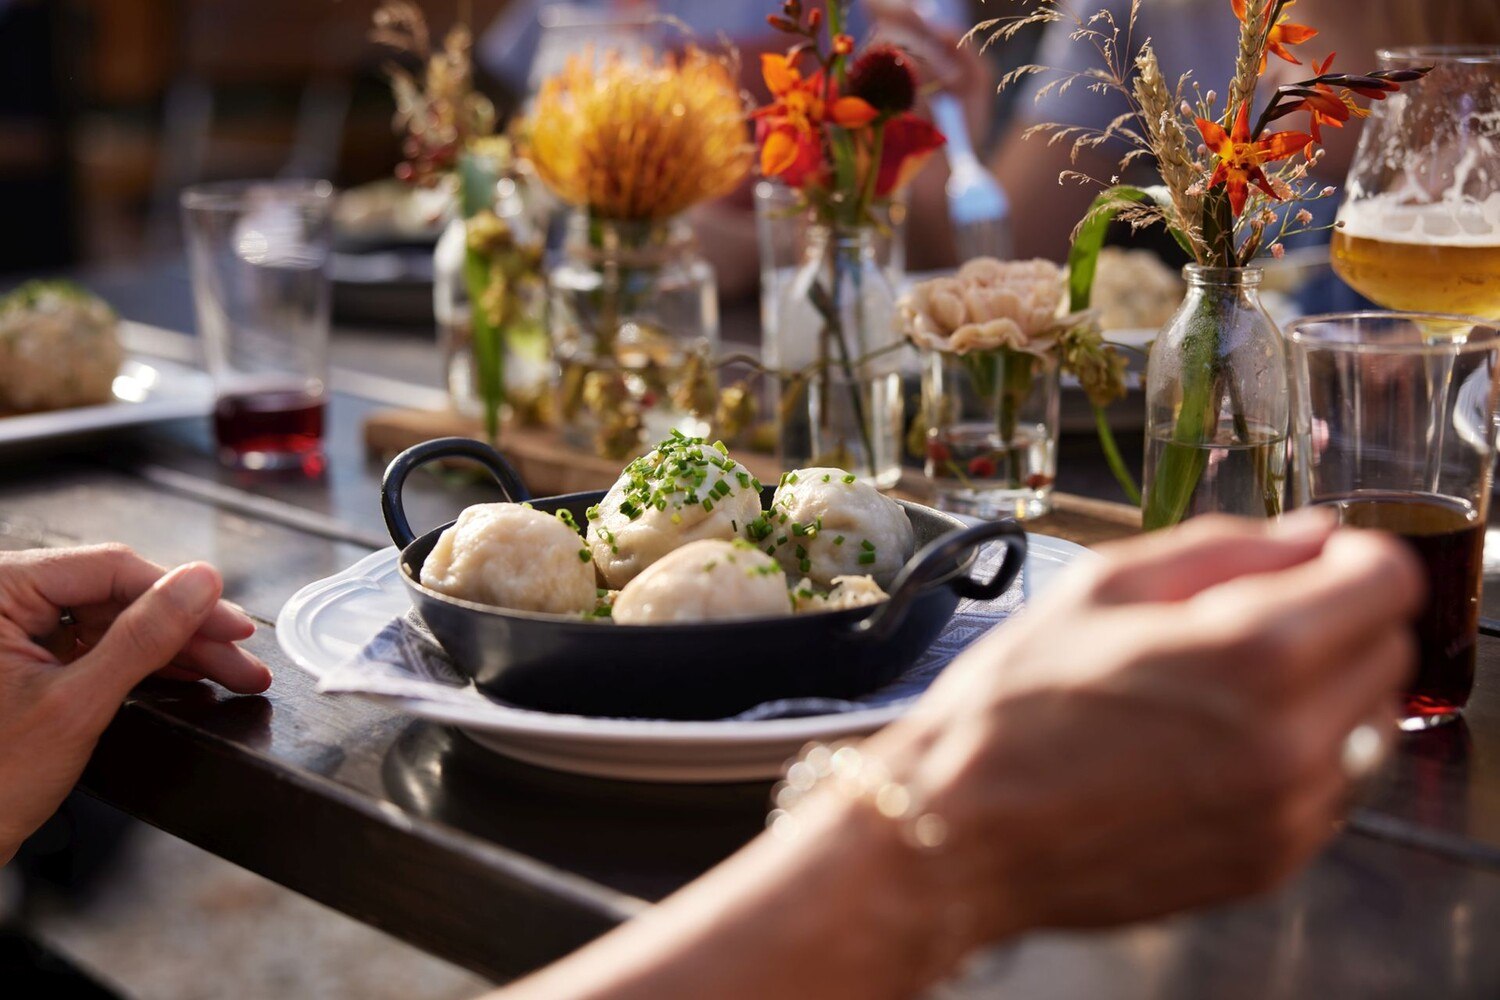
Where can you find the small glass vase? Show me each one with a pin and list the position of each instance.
(1216, 404)
(526, 364)
(992, 421)
(838, 358)
(635, 325)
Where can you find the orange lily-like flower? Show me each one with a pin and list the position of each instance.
(1282, 34)
(792, 124)
(1240, 158)
(1325, 107)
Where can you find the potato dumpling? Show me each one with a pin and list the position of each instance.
(682, 491)
(512, 556)
(847, 592)
(58, 348)
(825, 523)
(706, 580)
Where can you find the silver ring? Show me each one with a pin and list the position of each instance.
(66, 618)
(1362, 752)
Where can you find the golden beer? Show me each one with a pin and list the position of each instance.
(1458, 276)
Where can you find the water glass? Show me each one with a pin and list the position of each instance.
(258, 253)
(1394, 428)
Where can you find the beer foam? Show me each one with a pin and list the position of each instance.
(1444, 223)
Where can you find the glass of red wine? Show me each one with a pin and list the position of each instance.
(1394, 428)
(258, 252)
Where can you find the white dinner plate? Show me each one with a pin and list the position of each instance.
(147, 389)
(326, 622)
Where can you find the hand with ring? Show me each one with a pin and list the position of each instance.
(78, 629)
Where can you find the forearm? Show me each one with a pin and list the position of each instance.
(843, 909)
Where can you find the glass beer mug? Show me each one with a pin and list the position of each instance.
(1419, 228)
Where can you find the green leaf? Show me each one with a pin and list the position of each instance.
(1083, 258)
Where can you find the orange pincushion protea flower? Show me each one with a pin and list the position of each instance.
(1282, 34)
(1240, 158)
(640, 140)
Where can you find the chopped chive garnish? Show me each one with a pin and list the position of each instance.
(721, 447)
(722, 487)
(708, 505)
(801, 552)
(781, 540)
(791, 477)
(744, 478)
(850, 477)
(805, 565)
(866, 558)
(838, 539)
(827, 477)
(798, 530)
(584, 555)
(867, 545)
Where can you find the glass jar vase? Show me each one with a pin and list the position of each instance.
(525, 353)
(635, 326)
(838, 360)
(991, 421)
(1216, 404)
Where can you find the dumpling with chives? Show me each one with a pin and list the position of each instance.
(824, 523)
(512, 556)
(706, 580)
(681, 491)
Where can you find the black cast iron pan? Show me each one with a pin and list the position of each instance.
(704, 671)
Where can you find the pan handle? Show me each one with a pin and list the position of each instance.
(937, 560)
(417, 455)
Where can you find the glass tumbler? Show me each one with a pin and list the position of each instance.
(258, 254)
(1394, 428)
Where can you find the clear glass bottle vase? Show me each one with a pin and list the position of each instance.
(526, 365)
(635, 325)
(1216, 404)
(838, 359)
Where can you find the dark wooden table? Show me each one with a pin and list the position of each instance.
(501, 867)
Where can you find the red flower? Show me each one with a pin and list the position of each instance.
(938, 452)
(982, 467)
(1240, 159)
(1323, 106)
(790, 128)
(908, 142)
(1281, 35)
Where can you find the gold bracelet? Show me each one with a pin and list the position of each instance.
(842, 769)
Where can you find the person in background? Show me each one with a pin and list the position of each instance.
(1167, 728)
(533, 38)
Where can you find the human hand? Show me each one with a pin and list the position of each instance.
(60, 685)
(1162, 732)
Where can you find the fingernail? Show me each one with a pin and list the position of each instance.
(192, 587)
(1306, 524)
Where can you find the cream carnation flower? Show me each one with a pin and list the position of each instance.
(989, 304)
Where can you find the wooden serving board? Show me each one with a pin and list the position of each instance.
(550, 466)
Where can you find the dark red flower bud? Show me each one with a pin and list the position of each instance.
(781, 23)
(815, 19)
(883, 77)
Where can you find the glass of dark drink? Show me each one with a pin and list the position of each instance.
(258, 252)
(1394, 428)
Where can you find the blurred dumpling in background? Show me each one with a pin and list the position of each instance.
(59, 348)
(707, 580)
(682, 491)
(825, 523)
(512, 556)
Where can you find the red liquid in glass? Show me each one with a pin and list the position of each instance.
(1448, 538)
(276, 423)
